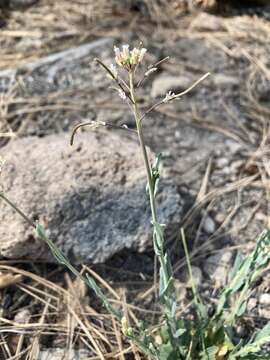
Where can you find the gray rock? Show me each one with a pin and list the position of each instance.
(217, 267)
(90, 197)
(163, 84)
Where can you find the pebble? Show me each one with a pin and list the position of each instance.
(233, 146)
(264, 312)
(23, 316)
(180, 290)
(63, 354)
(236, 166)
(220, 217)
(209, 225)
(221, 163)
(261, 217)
(252, 303)
(217, 267)
(264, 299)
(196, 274)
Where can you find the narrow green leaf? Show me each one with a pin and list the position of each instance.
(210, 353)
(263, 333)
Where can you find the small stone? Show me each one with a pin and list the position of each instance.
(218, 266)
(264, 312)
(241, 331)
(180, 290)
(236, 166)
(220, 217)
(226, 170)
(23, 316)
(221, 162)
(264, 306)
(177, 134)
(207, 22)
(196, 274)
(209, 225)
(233, 146)
(252, 303)
(164, 83)
(63, 354)
(264, 299)
(261, 217)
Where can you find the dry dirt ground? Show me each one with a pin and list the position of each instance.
(216, 141)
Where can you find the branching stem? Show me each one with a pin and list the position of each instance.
(147, 167)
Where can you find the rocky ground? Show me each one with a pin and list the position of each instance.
(214, 143)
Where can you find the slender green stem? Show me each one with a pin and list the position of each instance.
(143, 147)
(168, 296)
(147, 167)
(193, 287)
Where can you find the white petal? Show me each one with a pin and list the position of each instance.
(142, 53)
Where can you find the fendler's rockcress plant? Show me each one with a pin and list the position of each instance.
(123, 74)
(206, 337)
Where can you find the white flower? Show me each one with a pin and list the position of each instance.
(169, 96)
(125, 51)
(128, 59)
(116, 51)
(122, 94)
(118, 56)
(142, 53)
(134, 57)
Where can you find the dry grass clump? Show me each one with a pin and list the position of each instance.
(57, 313)
(38, 30)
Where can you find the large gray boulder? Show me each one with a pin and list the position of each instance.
(90, 197)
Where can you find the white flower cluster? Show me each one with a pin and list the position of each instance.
(128, 59)
(169, 96)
